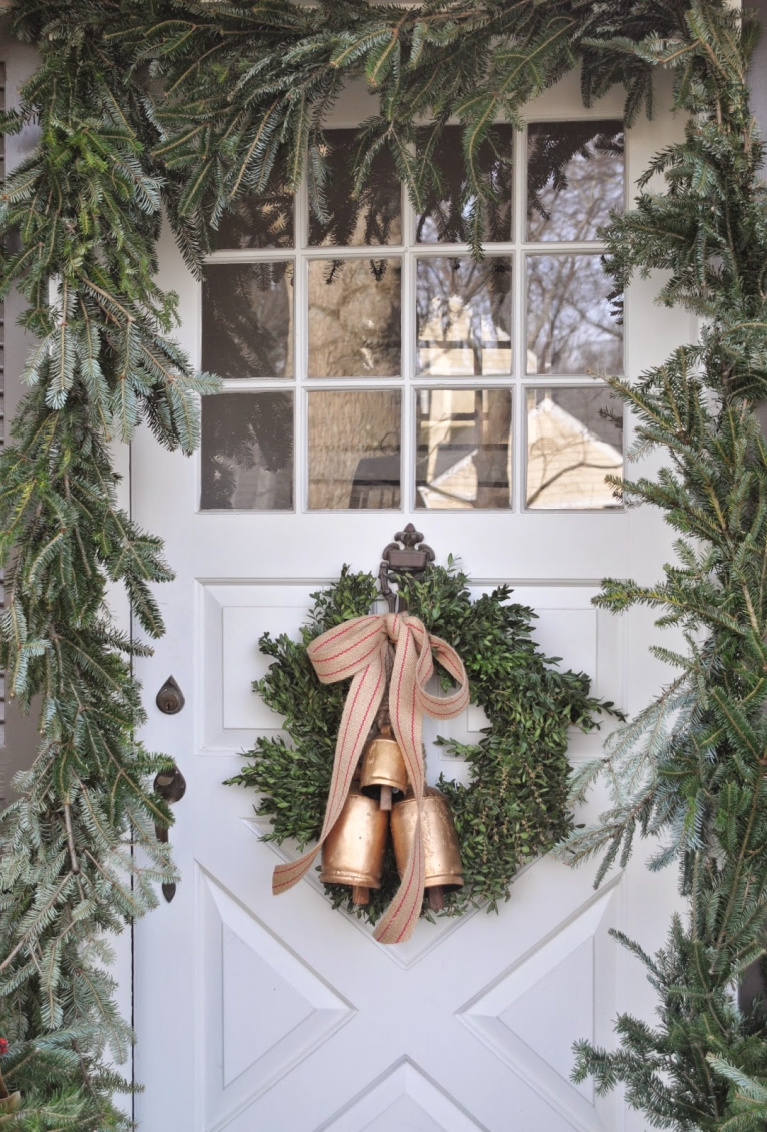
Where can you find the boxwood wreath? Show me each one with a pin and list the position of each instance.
(516, 805)
(147, 107)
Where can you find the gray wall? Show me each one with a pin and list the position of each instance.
(20, 738)
(759, 70)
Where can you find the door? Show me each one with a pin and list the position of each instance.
(374, 376)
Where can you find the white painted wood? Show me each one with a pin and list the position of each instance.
(278, 1014)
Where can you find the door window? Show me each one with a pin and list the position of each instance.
(370, 363)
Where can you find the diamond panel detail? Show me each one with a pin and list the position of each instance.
(533, 1013)
(265, 1010)
(402, 1098)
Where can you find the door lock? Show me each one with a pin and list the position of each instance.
(170, 785)
(170, 698)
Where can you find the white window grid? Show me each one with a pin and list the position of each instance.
(410, 381)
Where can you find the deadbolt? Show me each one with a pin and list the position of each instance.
(170, 698)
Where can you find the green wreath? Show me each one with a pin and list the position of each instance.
(515, 807)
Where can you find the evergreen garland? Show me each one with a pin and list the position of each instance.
(188, 106)
(515, 806)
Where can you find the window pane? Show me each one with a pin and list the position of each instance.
(575, 175)
(463, 442)
(574, 439)
(444, 220)
(354, 318)
(247, 452)
(247, 319)
(263, 221)
(354, 449)
(463, 316)
(372, 218)
(573, 323)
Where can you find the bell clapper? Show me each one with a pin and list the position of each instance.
(360, 894)
(384, 798)
(436, 899)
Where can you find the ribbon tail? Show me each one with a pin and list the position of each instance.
(401, 917)
(285, 876)
(360, 709)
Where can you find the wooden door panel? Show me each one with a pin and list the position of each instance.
(262, 1014)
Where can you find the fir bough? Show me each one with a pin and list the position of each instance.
(690, 770)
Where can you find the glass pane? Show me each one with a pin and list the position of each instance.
(375, 217)
(263, 221)
(247, 452)
(573, 319)
(354, 318)
(574, 439)
(247, 319)
(575, 175)
(463, 448)
(354, 449)
(444, 220)
(463, 316)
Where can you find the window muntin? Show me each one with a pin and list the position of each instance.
(433, 355)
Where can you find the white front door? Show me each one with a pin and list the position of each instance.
(367, 387)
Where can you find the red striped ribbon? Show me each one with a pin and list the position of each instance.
(358, 649)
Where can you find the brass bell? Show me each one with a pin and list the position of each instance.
(383, 768)
(442, 858)
(353, 852)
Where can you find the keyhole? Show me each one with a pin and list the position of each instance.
(170, 698)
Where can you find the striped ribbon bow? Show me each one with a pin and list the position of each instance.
(358, 648)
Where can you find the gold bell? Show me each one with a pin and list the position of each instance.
(353, 852)
(383, 768)
(442, 858)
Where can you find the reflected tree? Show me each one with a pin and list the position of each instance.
(574, 323)
(247, 432)
(449, 200)
(248, 320)
(463, 311)
(575, 178)
(370, 216)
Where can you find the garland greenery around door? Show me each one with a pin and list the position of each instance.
(515, 806)
(152, 105)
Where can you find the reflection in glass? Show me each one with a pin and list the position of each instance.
(575, 175)
(574, 440)
(354, 449)
(263, 221)
(463, 448)
(247, 452)
(572, 317)
(354, 318)
(374, 217)
(247, 319)
(444, 220)
(463, 316)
